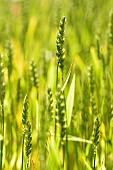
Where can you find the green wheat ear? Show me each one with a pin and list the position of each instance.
(91, 79)
(60, 43)
(50, 106)
(61, 110)
(9, 53)
(25, 113)
(25, 6)
(28, 142)
(110, 38)
(110, 30)
(96, 134)
(98, 47)
(57, 8)
(19, 90)
(85, 105)
(92, 89)
(2, 84)
(33, 74)
(2, 95)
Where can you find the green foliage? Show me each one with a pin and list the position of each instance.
(70, 101)
(61, 117)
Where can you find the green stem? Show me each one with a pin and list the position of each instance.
(94, 160)
(67, 155)
(63, 147)
(2, 142)
(62, 75)
(23, 152)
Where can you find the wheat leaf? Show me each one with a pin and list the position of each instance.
(70, 100)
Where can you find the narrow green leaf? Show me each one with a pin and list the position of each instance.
(50, 74)
(78, 139)
(70, 72)
(54, 159)
(87, 164)
(70, 100)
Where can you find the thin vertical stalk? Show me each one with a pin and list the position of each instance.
(66, 142)
(63, 148)
(94, 160)
(2, 142)
(23, 152)
(66, 148)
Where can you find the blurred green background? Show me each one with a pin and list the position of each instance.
(28, 30)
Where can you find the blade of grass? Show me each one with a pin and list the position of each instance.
(70, 101)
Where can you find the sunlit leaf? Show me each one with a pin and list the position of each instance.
(87, 164)
(78, 139)
(70, 72)
(70, 100)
